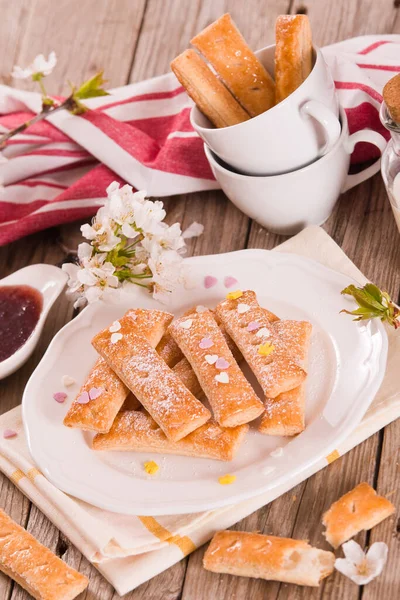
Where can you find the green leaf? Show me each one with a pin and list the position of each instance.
(372, 303)
(373, 291)
(91, 88)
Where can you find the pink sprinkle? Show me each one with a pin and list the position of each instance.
(230, 281)
(9, 433)
(95, 392)
(60, 397)
(206, 343)
(83, 398)
(210, 281)
(253, 326)
(222, 364)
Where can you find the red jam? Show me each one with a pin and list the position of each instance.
(20, 308)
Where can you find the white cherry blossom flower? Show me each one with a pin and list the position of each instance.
(101, 232)
(128, 244)
(40, 66)
(362, 567)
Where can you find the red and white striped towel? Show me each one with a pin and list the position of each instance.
(57, 170)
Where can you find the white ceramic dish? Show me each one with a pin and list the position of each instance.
(49, 281)
(347, 364)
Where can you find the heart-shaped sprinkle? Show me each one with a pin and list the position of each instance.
(200, 309)
(277, 452)
(222, 377)
(66, 380)
(206, 343)
(210, 281)
(116, 326)
(230, 281)
(226, 479)
(60, 397)
(264, 332)
(211, 358)
(234, 295)
(83, 398)
(253, 326)
(9, 433)
(116, 337)
(222, 364)
(186, 324)
(95, 392)
(265, 349)
(242, 308)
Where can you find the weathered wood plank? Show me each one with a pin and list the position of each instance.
(387, 585)
(14, 17)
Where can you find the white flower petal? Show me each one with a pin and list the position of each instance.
(353, 552)
(194, 230)
(85, 251)
(346, 567)
(376, 557)
(93, 294)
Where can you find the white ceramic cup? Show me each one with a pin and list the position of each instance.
(288, 136)
(287, 203)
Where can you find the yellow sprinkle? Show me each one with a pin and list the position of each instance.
(266, 349)
(227, 479)
(234, 295)
(151, 467)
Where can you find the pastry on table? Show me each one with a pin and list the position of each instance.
(293, 53)
(358, 510)
(34, 567)
(108, 391)
(272, 359)
(137, 431)
(232, 398)
(174, 408)
(267, 557)
(207, 91)
(285, 414)
(222, 44)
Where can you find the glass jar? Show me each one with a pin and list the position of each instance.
(390, 164)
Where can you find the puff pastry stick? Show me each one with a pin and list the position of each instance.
(224, 47)
(391, 96)
(231, 396)
(272, 360)
(285, 414)
(169, 350)
(98, 414)
(207, 91)
(34, 567)
(293, 53)
(156, 386)
(358, 510)
(268, 557)
(137, 431)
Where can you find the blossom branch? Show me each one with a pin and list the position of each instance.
(39, 69)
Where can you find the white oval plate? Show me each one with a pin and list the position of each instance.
(347, 364)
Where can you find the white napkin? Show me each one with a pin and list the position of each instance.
(130, 550)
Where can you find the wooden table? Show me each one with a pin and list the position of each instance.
(134, 40)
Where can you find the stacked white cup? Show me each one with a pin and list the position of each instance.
(286, 167)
